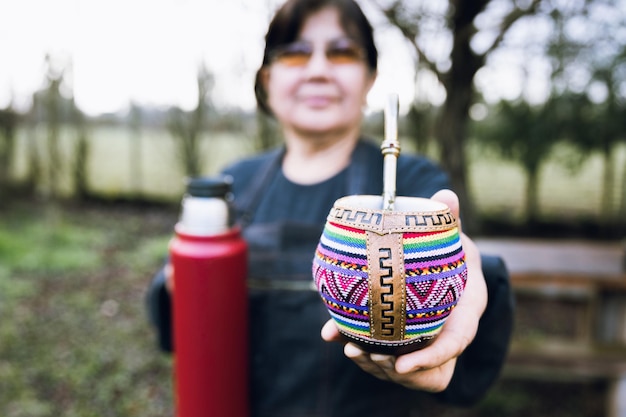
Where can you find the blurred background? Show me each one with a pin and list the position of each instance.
(105, 108)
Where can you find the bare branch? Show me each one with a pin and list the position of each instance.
(508, 21)
(410, 32)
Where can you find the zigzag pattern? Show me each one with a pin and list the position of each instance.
(350, 289)
(435, 279)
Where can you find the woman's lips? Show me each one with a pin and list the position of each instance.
(317, 101)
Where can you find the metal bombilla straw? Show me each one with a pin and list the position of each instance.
(390, 149)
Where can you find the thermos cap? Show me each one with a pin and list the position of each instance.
(205, 210)
(209, 187)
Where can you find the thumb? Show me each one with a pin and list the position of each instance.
(450, 199)
(330, 333)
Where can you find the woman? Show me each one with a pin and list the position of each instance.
(318, 67)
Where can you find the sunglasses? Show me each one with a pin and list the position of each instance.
(338, 52)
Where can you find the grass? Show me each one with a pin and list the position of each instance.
(74, 337)
(74, 340)
(497, 186)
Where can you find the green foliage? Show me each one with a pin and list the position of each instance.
(186, 127)
(525, 134)
(521, 132)
(420, 121)
(75, 337)
(38, 246)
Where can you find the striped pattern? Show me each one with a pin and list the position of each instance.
(435, 278)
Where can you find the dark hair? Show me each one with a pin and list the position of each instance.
(287, 24)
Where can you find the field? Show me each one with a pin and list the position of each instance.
(74, 339)
(126, 163)
(74, 336)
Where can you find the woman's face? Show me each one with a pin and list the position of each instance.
(319, 84)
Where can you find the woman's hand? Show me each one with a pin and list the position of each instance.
(431, 368)
(168, 270)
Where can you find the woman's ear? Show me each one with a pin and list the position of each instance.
(261, 83)
(369, 84)
(372, 80)
(264, 74)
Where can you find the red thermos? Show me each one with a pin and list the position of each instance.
(210, 306)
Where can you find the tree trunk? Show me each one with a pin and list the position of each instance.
(136, 152)
(8, 124)
(451, 133)
(53, 119)
(81, 154)
(33, 176)
(608, 183)
(532, 196)
(452, 123)
(267, 135)
(192, 160)
(621, 217)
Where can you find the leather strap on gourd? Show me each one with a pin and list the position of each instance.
(387, 286)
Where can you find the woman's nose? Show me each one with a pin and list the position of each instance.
(318, 64)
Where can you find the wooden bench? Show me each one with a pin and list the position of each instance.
(570, 312)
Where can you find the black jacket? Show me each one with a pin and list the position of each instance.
(294, 372)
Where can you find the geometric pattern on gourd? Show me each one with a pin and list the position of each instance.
(429, 252)
(432, 293)
(340, 265)
(435, 275)
(435, 269)
(348, 289)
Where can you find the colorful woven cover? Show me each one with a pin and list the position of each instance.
(389, 279)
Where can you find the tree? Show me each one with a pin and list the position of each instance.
(525, 134)
(81, 153)
(590, 72)
(601, 127)
(268, 135)
(186, 127)
(8, 126)
(419, 122)
(53, 102)
(135, 120)
(35, 170)
(429, 26)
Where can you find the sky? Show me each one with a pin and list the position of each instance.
(148, 51)
(122, 50)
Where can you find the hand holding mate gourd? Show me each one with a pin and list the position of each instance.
(431, 366)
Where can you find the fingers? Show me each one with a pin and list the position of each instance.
(330, 333)
(458, 331)
(168, 270)
(431, 368)
(448, 346)
(387, 362)
(429, 380)
(449, 198)
(385, 367)
(378, 365)
(380, 369)
(431, 371)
